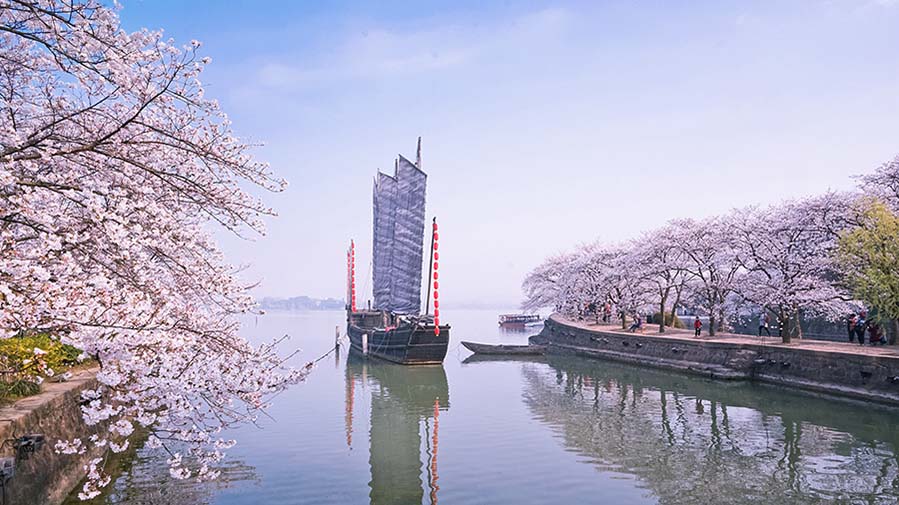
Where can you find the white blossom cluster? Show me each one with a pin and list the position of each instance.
(778, 260)
(113, 163)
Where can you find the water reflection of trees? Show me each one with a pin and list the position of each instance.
(695, 441)
(405, 405)
(142, 478)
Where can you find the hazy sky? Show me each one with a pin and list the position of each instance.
(544, 125)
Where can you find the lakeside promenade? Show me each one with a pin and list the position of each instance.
(678, 334)
(836, 368)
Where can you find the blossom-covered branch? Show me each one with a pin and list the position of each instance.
(112, 163)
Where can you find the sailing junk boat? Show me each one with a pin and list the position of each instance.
(394, 329)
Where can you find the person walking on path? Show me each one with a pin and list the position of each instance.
(697, 327)
(607, 313)
(763, 323)
(876, 335)
(851, 321)
(861, 326)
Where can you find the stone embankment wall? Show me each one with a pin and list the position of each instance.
(46, 478)
(856, 375)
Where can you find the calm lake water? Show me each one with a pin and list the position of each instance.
(548, 430)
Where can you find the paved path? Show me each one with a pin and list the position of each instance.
(652, 330)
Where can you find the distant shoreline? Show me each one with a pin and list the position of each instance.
(301, 303)
(281, 308)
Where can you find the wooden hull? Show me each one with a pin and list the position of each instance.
(407, 344)
(504, 349)
(493, 358)
(520, 326)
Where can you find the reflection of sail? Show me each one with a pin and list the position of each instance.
(403, 398)
(692, 441)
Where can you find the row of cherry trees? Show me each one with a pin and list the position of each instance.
(779, 259)
(114, 167)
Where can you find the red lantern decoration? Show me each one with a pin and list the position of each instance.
(352, 275)
(435, 266)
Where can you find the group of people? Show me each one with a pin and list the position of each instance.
(603, 313)
(859, 324)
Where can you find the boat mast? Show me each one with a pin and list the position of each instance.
(418, 155)
(430, 262)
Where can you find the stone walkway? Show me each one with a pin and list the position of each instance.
(652, 330)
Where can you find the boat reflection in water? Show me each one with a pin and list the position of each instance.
(405, 415)
(693, 441)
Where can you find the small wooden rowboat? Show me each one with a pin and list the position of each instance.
(504, 348)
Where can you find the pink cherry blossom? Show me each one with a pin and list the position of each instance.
(113, 167)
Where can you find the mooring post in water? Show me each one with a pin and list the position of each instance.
(337, 337)
(365, 343)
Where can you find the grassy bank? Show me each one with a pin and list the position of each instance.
(26, 361)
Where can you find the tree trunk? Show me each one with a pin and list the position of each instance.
(712, 319)
(893, 331)
(662, 314)
(674, 306)
(783, 319)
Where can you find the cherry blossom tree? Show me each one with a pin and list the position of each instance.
(566, 282)
(780, 259)
(592, 274)
(884, 183)
(113, 163)
(659, 261)
(549, 284)
(788, 253)
(708, 256)
(621, 281)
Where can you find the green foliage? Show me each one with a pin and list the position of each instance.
(671, 321)
(869, 255)
(18, 388)
(21, 366)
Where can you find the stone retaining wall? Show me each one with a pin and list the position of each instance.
(46, 478)
(856, 375)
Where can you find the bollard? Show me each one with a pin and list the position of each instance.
(337, 337)
(365, 343)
